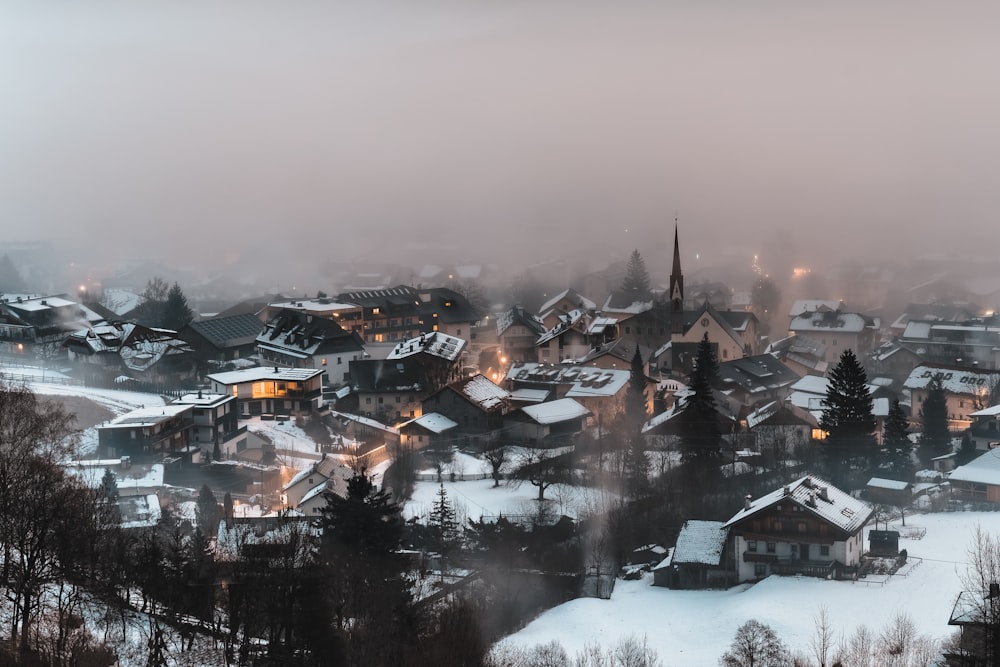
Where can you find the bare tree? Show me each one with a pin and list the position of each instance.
(542, 468)
(857, 649)
(498, 461)
(822, 639)
(755, 645)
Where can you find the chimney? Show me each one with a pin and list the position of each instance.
(823, 494)
(199, 393)
(746, 501)
(787, 490)
(275, 369)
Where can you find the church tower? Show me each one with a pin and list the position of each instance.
(676, 290)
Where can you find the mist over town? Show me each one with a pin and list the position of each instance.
(505, 334)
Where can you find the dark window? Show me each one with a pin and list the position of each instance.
(771, 547)
(751, 545)
(824, 550)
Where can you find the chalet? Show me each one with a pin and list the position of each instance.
(966, 390)
(298, 340)
(517, 331)
(979, 479)
(271, 391)
(837, 331)
(28, 322)
(329, 473)
(475, 404)
(222, 339)
(134, 350)
(403, 312)
(147, 434)
(802, 354)
(427, 430)
(215, 426)
(567, 339)
(700, 559)
(564, 302)
(757, 379)
(438, 353)
(552, 422)
(985, 428)
(778, 427)
(386, 390)
(806, 527)
(894, 359)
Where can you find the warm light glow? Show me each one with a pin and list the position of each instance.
(20, 347)
(236, 390)
(800, 271)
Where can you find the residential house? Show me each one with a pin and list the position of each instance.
(700, 559)
(806, 527)
(979, 479)
(973, 342)
(300, 340)
(809, 395)
(403, 312)
(733, 342)
(562, 303)
(389, 391)
(271, 390)
(147, 434)
(932, 312)
(36, 325)
(966, 390)
(550, 423)
(602, 391)
(218, 340)
(780, 426)
(837, 331)
(439, 354)
(751, 381)
(895, 360)
(138, 486)
(567, 339)
(427, 430)
(353, 428)
(215, 424)
(517, 332)
(475, 404)
(985, 428)
(110, 350)
(802, 354)
(304, 491)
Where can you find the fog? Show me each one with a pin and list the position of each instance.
(270, 137)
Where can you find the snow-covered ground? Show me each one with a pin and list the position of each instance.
(696, 627)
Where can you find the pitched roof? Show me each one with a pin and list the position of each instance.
(701, 542)
(301, 334)
(984, 469)
(571, 295)
(436, 344)
(759, 373)
(229, 331)
(834, 320)
(817, 497)
(553, 412)
(479, 390)
(955, 380)
(518, 315)
(259, 373)
(434, 422)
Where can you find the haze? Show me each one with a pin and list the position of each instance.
(231, 134)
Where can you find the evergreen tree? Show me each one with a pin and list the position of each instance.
(207, 511)
(368, 593)
(700, 432)
(150, 312)
(636, 462)
(442, 522)
(935, 440)
(636, 282)
(176, 312)
(109, 485)
(896, 443)
(966, 451)
(848, 418)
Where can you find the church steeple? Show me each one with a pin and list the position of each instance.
(676, 277)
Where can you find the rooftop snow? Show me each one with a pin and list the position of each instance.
(553, 412)
(147, 416)
(983, 469)
(700, 542)
(891, 484)
(954, 380)
(434, 422)
(436, 344)
(837, 508)
(483, 392)
(265, 373)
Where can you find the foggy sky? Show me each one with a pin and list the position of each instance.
(197, 132)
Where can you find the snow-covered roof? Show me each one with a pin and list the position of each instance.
(811, 384)
(599, 324)
(260, 373)
(147, 416)
(817, 497)
(133, 476)
(435, 344)
(203, 399)
(953, 380)
(585, 381)
(983, 469)
(574, 296)
(991, 411)
(553, 412)
(529, 395)
(829, 321)
(812, 305)
(482, 391)
(762, 413)
(434, 422)
(700, 542)
(364, 421)
(890, 484)
(565, 322)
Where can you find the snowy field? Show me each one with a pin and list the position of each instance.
(696, 627)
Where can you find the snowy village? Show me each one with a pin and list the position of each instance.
(582, 478)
